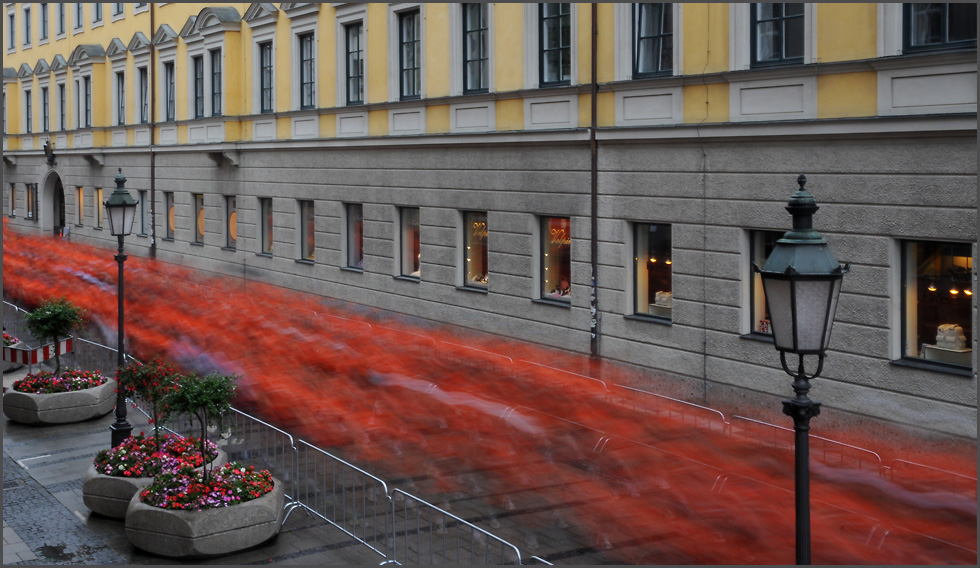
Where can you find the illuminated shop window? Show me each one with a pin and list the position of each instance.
(937, 284)
(762, 243)
(168, 205)
(475, 234)
(265, 207)
(99, 208)
(654, 266)
(199, 218)
(307, 230)
(556, 258)
(79, 205)
(411, 256)
(231, 221)
(355, 235)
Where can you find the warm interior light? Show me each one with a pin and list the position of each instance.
(669, 261)
(653, 260)
(932, 287)
(954, 291)
(968, 292)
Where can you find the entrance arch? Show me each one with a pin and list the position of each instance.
(52, 206)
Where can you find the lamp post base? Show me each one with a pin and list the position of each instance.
(802, 409)
(119, 432)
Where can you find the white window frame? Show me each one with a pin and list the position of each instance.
(43, 28)
(62, 17)
(303, 19)
(623, 32)
(95, 9)
(349, 14)
(263, 30)
(26, 27)
(740, 35)
(166, 53)
(532, 48)
(122, 11)
(140, 7)
(44, 83)
(27, 114)
(394, 70)
(78, 21)
(456, 79)
(139, 47)
(117, 57)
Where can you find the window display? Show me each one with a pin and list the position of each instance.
(265, 203)
(938, 302)
(475, 235)
(307, 231)
(762, 243)
(199, 218)
(556, 258)
(410, 246)
(654, 262)
(355, 235)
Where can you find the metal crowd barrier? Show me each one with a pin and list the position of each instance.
(660, 405)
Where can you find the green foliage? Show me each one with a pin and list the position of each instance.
(54, 320)
(205, 398)
(152, 382)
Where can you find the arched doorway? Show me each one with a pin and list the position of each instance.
(52, 204)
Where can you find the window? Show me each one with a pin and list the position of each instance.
(11, 32)
(198, 63)
(307, 76)
(653, 39)
(475, 235)
(937, 314)
(761, 244)
(652, 277)
(99, 208)
(45, 110)
(940, 26)
(31, 201)
(355, 235)
(143, 227)
(307, 230)
(777, 33)
(28, 112)
(62, 106)
(169, 100)
(556, 258)
(62, 19)
(120, 97)
(13, 199)
(96, 12)
(27, 25)
(79, 16)
(555, 43)
(42, 22)
(79, 205)
(144, 95)
(476, 53)
(117, 8)
(409, 55)
(216, 82)
(231, 222)
(265, 212)
(410, 253)
(168, 205)
(198, 218)
(265, 76)
(87, 113)
(355, 62)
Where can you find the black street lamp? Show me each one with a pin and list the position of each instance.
(801, 280)
(121, 211)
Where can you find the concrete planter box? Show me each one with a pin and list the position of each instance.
(61, 407)
(211, 532)
(110, 496)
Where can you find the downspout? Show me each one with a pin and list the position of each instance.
(153, 113)
(594, 308)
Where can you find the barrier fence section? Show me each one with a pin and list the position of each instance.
(430, 535)
(345, 496)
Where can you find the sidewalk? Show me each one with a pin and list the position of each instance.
(46, 522)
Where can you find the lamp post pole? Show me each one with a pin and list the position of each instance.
(801, 409)
(121, 209)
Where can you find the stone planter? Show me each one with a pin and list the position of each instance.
(61, 407)
(211, 532)
(110, 496)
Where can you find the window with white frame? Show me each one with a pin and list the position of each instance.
(653, 39)
(62, 18)
(307, 230)
(304, 29)
(171, 220)
(217, 82)
(410, 55)
(475, 250)
(307, 70)
(262, 21)
(556, 258)
(354, 220)
(79, 205)
(120, 97)
(142, 74)
(45, 110)
(86, 111)
(266, 78)
(28, 111)
(265, 222)
(42, 23)
(11, 31)
(761, 244)
(62, 107)
(198, 199)
(937, 302)
(27, 25)
(476, 48)
(352, 54)
(79, 16)
(652, 254)
(96, 9)
(354, 62)
(143, 225)
(410, 254)
(778, 33)
(555, 43)
(939, 26)
(118, 9)
(197, 65)
(169, 91)
(231, 221)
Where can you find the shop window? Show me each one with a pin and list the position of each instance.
(99, 208)
(31, 189)
(231, 222)
(168, 205)
(198, 218)
(939, 26)
(476, 52)
(653, 39)
(355, 235)
(144, 206)
(937, 314)
(410, 54)
(761, 244)
(307, 230)
(411, 256)
(265, 212)
(13, 199)
(555, 43)
(654, 267)
(354, 47)
(475, 235)
(556, 258)
(777, 34)
(79, 205)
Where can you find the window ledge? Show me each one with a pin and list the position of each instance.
(230, 249)
(936, 367)
(196, 244)
(264, 254)
(352, 269)
(649, 319)
(473, 289)
(757, 336)
(168, 239)
(555, 303)
(404, 278)
(305, 261)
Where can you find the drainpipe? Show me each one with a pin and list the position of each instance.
(153, 112)
(594, 308)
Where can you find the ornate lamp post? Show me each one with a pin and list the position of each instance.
(802, 280)
(121, 211)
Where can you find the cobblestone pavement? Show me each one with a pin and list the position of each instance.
(46, 522)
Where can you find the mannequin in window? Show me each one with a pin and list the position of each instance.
(563, 289)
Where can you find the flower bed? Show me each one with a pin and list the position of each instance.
(43, 398)
(9, 340)
(228, 485)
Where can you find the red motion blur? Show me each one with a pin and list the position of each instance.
(422, 403)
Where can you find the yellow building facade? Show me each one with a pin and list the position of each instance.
(363, 151)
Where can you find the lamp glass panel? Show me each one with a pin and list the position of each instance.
(780, 311)
(833, 310)
(812, 298)
(129, 216)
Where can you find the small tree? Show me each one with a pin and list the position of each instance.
(152, 382)
(205, 398)
(53, 320)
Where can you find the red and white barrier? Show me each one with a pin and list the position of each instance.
(35, 356)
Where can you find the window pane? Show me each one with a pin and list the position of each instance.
(168, 198)
(926, 24)
(198, 218)
(307, 230)
(962, 22)
(410, 242)
(266, 205)
(793, 38)
(938, 313)
(762, 244)
(653, 270)
(355, 235)
(556, 258)
(232, 222)
(475, 249)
